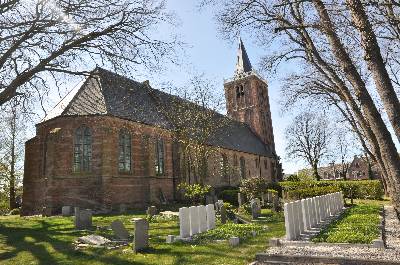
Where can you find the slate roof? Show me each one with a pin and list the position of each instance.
(107, 93)
(243, 64)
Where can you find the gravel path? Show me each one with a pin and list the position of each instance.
(391, 253)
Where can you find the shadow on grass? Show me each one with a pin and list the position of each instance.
(40, 242)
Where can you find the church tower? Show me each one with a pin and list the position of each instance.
(247, 98)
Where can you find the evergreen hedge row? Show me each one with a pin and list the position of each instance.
(358, 189)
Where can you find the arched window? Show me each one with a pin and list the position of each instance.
(159, 157)
(82, 149)
(242, 168)
(125, 153)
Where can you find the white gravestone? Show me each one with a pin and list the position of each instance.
(317, 215)
(202, 218)
(312, 212)
(210, 216)
(323, 208)
(295, 218)
(300, 214)
(184, 222)
(288, 212)
(194, 220)
(304, 208)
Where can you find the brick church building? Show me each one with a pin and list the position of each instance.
(108, 143)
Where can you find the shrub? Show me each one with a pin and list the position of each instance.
(293, 178)
(15, 211)
(275, 186)
(359, 189)
(310, 192)
(194, 192)
(230, 196)
(253, 187)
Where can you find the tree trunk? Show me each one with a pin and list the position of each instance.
(376, 64)
(13, 124)
(315, 171)
(384, 139)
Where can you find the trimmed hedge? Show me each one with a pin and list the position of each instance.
(230, 196)
(310, 192)
(358, 189)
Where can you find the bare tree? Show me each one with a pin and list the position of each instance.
(308, 137)
(196, 122)
(376, 64)
(12, 137)
(41, 39)
(323, 43)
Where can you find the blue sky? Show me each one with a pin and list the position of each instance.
(206, 52)
(216, 57)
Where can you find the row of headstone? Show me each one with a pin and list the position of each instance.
(305, 214)
(196, 219)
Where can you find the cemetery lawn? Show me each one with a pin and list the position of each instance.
(358, 224)
(38, 240)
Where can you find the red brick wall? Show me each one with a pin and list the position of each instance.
(255, 109)
(104, 186)
(49, 179)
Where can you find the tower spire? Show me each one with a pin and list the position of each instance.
(243, 64)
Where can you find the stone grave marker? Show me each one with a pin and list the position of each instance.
(240, 199)
(194, 220)
(210, 216)
(234, 241)
(223, 214)
(151, 211)
(202, 218)
(123, 208)
(83, 218)
(141, 236)
(255, 208)
(275, 202)
(170, 239)
(66, 211)
(119, 230)
(184, 222)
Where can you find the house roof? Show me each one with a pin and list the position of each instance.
(107, 93)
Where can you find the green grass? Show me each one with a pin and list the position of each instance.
(38, 240)
(359, 224)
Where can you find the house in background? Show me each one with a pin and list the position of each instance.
(109, 143)
(357, 169)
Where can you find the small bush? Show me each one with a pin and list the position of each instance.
(194, 192)
(230, 196)
(253, 187)
(15, 211)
